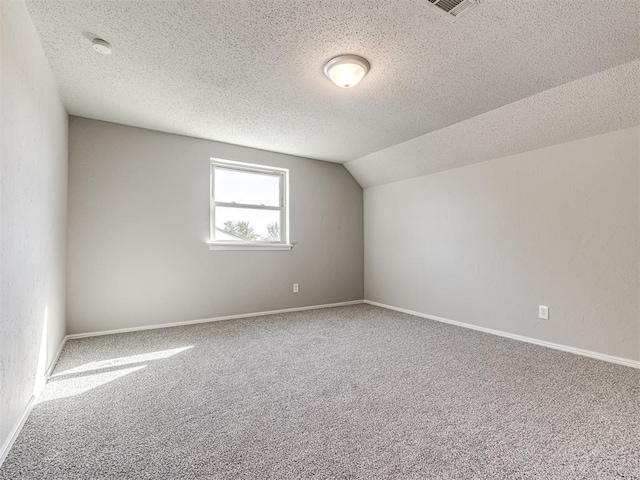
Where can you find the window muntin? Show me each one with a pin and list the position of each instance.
(248, 204)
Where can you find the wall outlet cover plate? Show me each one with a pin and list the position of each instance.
(543, 312)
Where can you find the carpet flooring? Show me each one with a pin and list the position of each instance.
(348, 392)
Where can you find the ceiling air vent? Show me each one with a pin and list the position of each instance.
(453, 8)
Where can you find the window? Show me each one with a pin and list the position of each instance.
(249, 207)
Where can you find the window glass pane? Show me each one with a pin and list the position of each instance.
(238, 224)
(246, 187)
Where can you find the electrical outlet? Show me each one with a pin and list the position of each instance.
(296, 288)
(543, 312)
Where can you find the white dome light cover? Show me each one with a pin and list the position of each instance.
(346, 71)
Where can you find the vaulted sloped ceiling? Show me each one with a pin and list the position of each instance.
(250, 72)
(600, 103)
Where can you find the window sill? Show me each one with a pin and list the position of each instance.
(249, 246)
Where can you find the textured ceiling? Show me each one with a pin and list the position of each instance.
(250, 72)
(602, 102)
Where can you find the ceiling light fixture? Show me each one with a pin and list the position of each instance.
(346, 70)
(101, 46)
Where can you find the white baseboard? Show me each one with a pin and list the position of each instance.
(578, 351)
(8, 443)
(207, 320)
(55, 359)
(17, 428)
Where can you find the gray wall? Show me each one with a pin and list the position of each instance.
(139, 220)
(487, 243)
(33, 207)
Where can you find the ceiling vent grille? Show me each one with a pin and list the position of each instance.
(454, 8)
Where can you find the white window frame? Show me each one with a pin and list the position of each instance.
(283, 208)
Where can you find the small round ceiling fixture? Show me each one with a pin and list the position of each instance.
(346, 71)
(101, 46)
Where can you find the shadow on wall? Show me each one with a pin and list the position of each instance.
(41, 370)
(84, 378)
